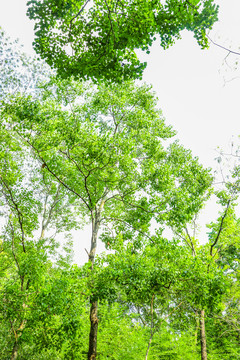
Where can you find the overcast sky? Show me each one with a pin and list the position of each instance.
(195, 88)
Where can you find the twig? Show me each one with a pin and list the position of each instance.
(223, 47)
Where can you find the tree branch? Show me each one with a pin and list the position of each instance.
(220, 228)
(223, 47)
(19, 214)
(80, 11)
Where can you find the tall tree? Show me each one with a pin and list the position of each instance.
(107, 150)
(30, 203)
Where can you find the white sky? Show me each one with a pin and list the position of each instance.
(189, 82)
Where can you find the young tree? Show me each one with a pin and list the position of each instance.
(30, 204)
(209, 280)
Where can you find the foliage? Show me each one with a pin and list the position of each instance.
(98, 39)
(71, 150)
(30, 205)
(20, 73)
(108, 148)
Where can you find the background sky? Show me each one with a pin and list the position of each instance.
(198, 91)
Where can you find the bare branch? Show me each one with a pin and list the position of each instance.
(223, 47)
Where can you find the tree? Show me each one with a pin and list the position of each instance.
(209, 280)
(30, 203)
(144, 280)
(106, 149)
(98, 39)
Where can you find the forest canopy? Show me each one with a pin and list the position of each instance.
(98, 39)
(76, 152)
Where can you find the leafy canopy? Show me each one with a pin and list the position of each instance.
(111, 147)
(97, 39)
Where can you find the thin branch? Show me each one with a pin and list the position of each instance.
(80, 170)
(67, 187)
(131, 226)
(191, 242)
(44, 215)
(56, 176)
(141, 318)
(110, 20)
(80, 11)
(225, 60)
(71, 159)
(114, 120)
(19, 214)
(52, 206)
(13, 330)
(218, 251)
(220, 228)
(13, 250)
(223, 47)
(173, 310)
(119, 196)
(183, 238)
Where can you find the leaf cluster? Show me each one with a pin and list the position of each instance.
(98, 39)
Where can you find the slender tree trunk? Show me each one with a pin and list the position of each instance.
(197, 329)
(92, 349)
(14, 351)
(149, 345)
(152, 329)
(17, 334)
(203, 336)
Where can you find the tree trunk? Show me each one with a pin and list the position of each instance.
(17, 334)
(152, 329)
(197, 329)
(203, 337)
(149, 345)
(14, 351)
(92, 349)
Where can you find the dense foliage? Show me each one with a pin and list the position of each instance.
(72, 152)
(97, 39)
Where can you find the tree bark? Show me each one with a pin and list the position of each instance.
(152, 329)
(203, 336)
(17, 336)
(197, 329)
(92, 349)
(14, 351)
